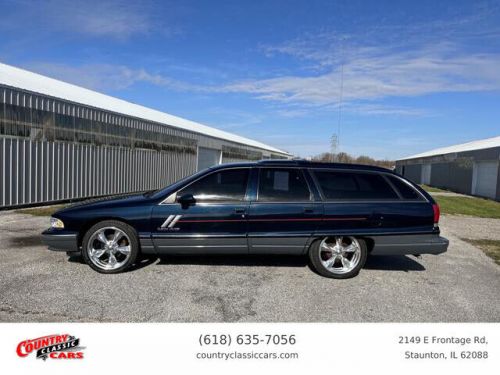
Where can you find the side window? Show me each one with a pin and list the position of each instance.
(282, 185)
(406, 191)
(354, 185)
(224, 186)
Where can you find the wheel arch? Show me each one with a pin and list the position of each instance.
(90, 223)
(370, 242)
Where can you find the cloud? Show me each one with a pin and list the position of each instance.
(374, 74)
(104, 77)
(453, 53)
(117, 19)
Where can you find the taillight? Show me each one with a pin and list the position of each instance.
(435, 208)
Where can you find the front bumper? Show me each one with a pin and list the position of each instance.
(410, 244)
(60, 241)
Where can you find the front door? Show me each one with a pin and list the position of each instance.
(213, 221)
(283, 215)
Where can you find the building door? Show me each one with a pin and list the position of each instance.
(484, 178)
(207, 157)
(426, 174)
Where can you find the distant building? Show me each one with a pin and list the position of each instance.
(60, 142)
(470, 168)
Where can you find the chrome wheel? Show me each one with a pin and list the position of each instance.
(340, 254)
(109, 248)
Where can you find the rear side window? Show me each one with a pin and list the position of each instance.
(406, 191)
(282, 185)
(354, 185)
(224, 186)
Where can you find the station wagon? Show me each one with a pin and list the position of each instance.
(336, 214)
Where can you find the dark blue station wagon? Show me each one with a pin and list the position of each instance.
(337, 214)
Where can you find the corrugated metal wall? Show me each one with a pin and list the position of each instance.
(40, 171)
(53, 150)
(413, 172)
(451, 171)
(233, 160)
(455, 175)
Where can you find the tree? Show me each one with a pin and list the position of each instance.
(343, 157)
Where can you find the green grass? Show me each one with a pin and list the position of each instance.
(41, 211)
(489, 247)
(470, 206)
(431, 189)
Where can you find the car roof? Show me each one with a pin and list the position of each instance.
(304, 164)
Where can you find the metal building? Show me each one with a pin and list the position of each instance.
(62, 142)
(471, 168)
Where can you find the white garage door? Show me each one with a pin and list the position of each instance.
(484, 178)
(426, 174)
(207, 157)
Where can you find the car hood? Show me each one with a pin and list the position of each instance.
(107, 202)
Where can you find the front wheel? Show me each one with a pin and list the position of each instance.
(339, 257)
(110, 246)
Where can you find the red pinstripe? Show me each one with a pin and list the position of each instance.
(255, 220)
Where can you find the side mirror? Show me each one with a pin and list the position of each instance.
(186, 200)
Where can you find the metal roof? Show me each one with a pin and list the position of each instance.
(23, 79)
(469, 146)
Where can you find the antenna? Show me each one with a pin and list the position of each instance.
(341, 93)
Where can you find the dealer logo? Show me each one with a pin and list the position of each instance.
(53, 346)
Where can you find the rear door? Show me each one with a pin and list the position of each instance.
(283, 214)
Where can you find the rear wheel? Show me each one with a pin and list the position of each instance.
(110, 246)
(339, 257)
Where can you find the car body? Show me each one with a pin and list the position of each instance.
(292, 207)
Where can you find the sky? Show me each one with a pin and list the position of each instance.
(389, 78)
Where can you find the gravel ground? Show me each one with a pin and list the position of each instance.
(38, 285)
(472, 227)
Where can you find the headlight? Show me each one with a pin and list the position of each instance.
(56, 223)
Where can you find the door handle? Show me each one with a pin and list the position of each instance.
(308, 210)
(239, 210)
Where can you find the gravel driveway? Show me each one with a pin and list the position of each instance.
(472, 227)
(39, 285)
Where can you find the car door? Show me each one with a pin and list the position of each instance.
(206, 216)
(282, 214)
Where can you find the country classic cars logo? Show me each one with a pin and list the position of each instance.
(53, 346)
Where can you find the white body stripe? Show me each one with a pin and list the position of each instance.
(171, 221)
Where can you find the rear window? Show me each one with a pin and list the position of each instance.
(406, 191)
(354, 185)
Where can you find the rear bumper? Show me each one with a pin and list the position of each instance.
(60, 241)
(410, 244)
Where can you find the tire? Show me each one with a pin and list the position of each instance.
(110, 246)
(353, 251)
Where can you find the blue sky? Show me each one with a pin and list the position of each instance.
(416, 75)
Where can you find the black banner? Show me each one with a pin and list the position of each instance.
(70, 344)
